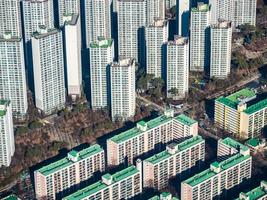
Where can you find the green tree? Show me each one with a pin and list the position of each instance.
(35, 124)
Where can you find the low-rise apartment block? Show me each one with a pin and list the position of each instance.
(238, 114)
(176, 159)
(220, 177)
(258, 193)
(124, 184)
(228, 147)
(78, 166)
(164, 196)
(147, 136)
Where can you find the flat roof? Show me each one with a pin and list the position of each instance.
(99, 185)
(256, 107)
(234, 99)
(166, 195)
(180, 147)
(208, 173)
(65, 162)
(256, 193)
(11, 197)
(101, 43)
(253, 142)
(3, 107)
(234, 144)
(201, 8)
(133, 132)
(185, 120)
(46, 33)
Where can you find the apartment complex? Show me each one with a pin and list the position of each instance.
(10, 18)
(131, 22)
(258, 193)
(67, 7)
(73, 59)
(59, 176)
(164, 196)
(124, 184)
(7, 143)
(156, 35)
(177, 67)
(147, 136)
(221, 48)
(175, 160)
(221, 176)
(199, 37)
(101, 56)
(228, 147)
(122, 89)
(48, 68)
(98, 20)
(37, 13)
(238, 114)
(12, 74)
(155, 10)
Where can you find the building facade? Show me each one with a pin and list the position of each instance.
(73, 59)
(156, 35)
(12, 74)
(177, 67)
(78, 166)
(221, 176)
(199, 37)
(175, 160)
(48, 65)
(221, 48)
(155, 10)
(10, 18)
(183, 17)
(148, 136)
(131, 23)
(98, 20)
(122, 89)
(7, 143)
(37, 13)
(238, 115)
(101, 56)
(124, 184)
(67, 7)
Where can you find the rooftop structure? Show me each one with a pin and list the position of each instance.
(164, 196)
(101, 43)
(11, 197)
(255, 194)
(234, 144)
(3, 107)
(201, 7)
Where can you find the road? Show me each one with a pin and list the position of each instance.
(158, 107)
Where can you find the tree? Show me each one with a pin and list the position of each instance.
(35, 124)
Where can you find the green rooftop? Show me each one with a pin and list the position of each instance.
(208, 173)
(256, 107)
(164, 195)
(201, 8)
(234, 99)
(253, 142)
(65, 162)
(98, 186)
(101, 43)
(133, 132)
(256, 193)
(234, 144)
(3, 105)
(11, 197)
(180, 147)
(185, 120)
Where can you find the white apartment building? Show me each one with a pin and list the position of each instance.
(67, 7)
(156, 35)
(73, 57)
(199, 37)
(12, 74)
(48, 70)
(148, 136)
(101, 56)
(124, 184)
(52, 180)
(175, 160)
(10, 18)
(122, 89)
(131, 21)
(221, 10)
(170, 3)
(228, 147)
(244, 12)
(183, 17)
(177, 67)
(98, 20)
(36, 13)
(219, 177)
(155, 10)
(221, 48)
(7, 143)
